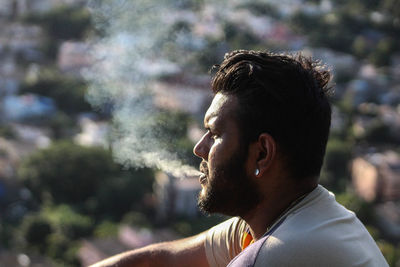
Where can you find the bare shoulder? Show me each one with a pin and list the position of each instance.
(189, 251)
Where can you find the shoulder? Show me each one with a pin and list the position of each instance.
(319, 250)
(222, 241)
(228, 227)
(321, 232)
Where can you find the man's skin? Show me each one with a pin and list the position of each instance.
(184, 252)
(216, 146)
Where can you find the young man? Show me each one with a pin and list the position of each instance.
(267, 129)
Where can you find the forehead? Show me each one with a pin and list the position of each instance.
(222, 107)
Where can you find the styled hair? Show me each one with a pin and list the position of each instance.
(285, 96)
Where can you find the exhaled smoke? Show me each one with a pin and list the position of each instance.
(140, 42)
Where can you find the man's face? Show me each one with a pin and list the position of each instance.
(226, 185)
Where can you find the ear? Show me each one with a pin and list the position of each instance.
(266, 153)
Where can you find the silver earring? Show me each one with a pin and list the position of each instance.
(257, 172)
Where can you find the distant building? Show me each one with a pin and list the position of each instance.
(181, 97)
(27, 140)
(371, 114)
(376, 177)
(18, 43)
(73, 57)
(339, 62)
(94, 133)
(26, 106)
(176, 196)
(207, 24)
(21, 41)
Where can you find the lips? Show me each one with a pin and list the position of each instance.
(203, 178)
(204, 170)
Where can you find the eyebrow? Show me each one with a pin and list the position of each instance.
(215, 121)
(208, 118)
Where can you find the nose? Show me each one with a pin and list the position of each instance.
(201, 148)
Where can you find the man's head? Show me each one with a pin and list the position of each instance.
(275, 99)
(226, 186)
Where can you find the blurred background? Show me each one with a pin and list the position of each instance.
(102, 100)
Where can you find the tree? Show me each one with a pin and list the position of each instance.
(379, 133)
(64, 22)
(66, 172)
(35, 229)
(335, 171)
(55, 231)
(170, 129)
(350, 28)
(123, 193)
(7, 131)
(261, 8)
(85, 178)
(67, 92)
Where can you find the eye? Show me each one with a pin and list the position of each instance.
(212, 135)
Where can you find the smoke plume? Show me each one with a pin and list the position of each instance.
(139, 43)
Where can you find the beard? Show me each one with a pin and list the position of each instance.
(228, 190)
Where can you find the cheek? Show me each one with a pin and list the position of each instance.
(216, 152)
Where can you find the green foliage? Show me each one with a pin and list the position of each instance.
(61, 125)
(333, 30)
(68, 93)
(65, 22)
(358, 6)
(350, 29)
(238, 38)
(7, 131)
(170, 128)
(68, 222)
(55, 231)
(106, 229)
(35, 229)
(61, 23)
(63, 250)
(381, 54)
(379, 133)
(392, 8)
(137, 219)
(259, 8)
(189, 4)
(390, 252)
(338, 153)
(374, 232)
(335, 170)
(49, 48)
(191, 226)
(213, 53)
(86, 178)
(67, 172)
(352, 202)
(123, 193)
(6, 234)
(360, 47)
(170, 125)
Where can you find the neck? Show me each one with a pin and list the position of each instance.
(271, 208)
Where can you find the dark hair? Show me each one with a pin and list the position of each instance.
(284, 96)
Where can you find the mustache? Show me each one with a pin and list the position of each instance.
(204, 168)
